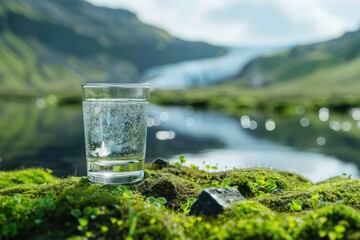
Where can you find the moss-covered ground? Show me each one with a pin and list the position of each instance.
(280, 205)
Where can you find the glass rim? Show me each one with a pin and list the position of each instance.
(115, 85)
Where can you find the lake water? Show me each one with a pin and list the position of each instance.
(36, 135)
(302, 143)
(316, 145)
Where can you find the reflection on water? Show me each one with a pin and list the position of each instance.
(330, 133)
(247, 143)
(34, 135)
(318, 147)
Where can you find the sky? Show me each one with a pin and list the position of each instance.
(247, 22)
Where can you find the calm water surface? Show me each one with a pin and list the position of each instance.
(317, 145)
(309, 144)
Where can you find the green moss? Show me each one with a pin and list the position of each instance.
(331, 222)
(34, 191)
(199, 177)
(74, 208)
(175, 189)
(345, 191)
(36, 176)
(247, 209)
(283, 180)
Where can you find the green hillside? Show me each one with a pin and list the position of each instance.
(52, 46)
(329, 66)
(315, 75)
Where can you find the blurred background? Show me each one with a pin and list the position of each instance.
(235, 83)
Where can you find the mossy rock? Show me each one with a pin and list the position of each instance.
(284, 180)
(36, 176)
(175, 189)
(74, 208)
(345, 191)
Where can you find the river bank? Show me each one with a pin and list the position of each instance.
(278, 205)
(225, 98)
(234, 100)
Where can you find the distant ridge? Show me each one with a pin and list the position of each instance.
(331, 65)
(52, 46)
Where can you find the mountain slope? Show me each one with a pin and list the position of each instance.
(325, 74)
(327, 66)
(52, 46)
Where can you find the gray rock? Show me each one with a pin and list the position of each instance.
(213, 201)
(160, 163)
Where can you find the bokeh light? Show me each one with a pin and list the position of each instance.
(245, 121)
(335, 125)
(321, 141)
(270, 125)
(346, 126)
(355, 113)
(304, 122)
(165, 135)
(324, 114)
(253, 125)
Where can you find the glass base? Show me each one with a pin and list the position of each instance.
(116, 178)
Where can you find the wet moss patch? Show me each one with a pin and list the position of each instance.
(174, 188)
(249, 181)
(279, 205)
(345, 191)
(36, 176)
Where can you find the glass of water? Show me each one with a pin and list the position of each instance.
(115, 125)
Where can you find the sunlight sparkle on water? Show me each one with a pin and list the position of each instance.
(270, 125)
(355, 113)
(324, 114)
(245, 121)
(253, 125)
(335, 125)
(321, 141)
(346, 126)
(304, 122)
(153, 122)
(165, 135)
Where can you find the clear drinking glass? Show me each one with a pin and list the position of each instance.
(115, 125)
